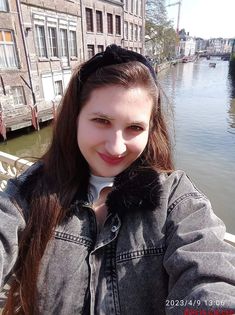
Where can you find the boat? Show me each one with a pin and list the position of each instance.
(212, 64)
(186, 59)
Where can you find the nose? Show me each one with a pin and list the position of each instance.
(115, 144)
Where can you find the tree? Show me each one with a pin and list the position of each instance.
(156, 11)
(161, 38)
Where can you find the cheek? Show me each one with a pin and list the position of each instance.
(88, 136)
(138, 144)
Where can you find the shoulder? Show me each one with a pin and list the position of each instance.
(18, 188)
(14, 185)
(177, 186)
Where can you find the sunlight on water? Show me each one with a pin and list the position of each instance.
(204, 111)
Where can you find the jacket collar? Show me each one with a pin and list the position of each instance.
(136, 188)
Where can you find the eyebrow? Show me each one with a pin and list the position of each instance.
(100, 114)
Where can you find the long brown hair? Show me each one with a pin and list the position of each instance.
(64, 171)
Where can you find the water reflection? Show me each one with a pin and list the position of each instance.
(231, 110)
(203, 102)
(24, 145)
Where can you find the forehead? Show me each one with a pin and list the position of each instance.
(118, 100)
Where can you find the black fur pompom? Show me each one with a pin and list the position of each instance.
(138, 187)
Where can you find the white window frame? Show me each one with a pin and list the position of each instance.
(136, 7)
(118, 27)
(4, 7)
(18, 95)
(58, 88)
(8, 55)
(53, 41)
(100, 48)
(73, 43)
(90, 49)
(126, 5)
(126, 30)
(140, 8)
(135, 32)
(140, 32)
(131, 31)
(64, 42)
(41, 41)
(132, 6)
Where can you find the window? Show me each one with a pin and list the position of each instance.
(89, 20)
(140, 7)
(18, 95)
(41, 41)
(125, 30)
(131, 31)
(136, 7)
(100, 48)
(8, 57)
(91, 51)
(99, 22)
(140, 33)
(110, 23)
(132, 6)
(52, 41)
(126, 5)
(136, 32)
(118, 24)
(64, 42)
(3, 5)
(58, 88)
(73, 44)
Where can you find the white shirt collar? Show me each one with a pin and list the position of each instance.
(97, 183)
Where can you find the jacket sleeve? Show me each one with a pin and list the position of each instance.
(12, 224)
(200, 265)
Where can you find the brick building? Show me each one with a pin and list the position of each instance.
(15, 95)
(41, 41)
(134, 25)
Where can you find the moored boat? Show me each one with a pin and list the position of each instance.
(212, 64)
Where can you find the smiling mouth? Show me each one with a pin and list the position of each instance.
(111, 160)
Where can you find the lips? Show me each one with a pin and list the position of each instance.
(110, 159)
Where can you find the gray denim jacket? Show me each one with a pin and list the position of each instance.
(160, 251)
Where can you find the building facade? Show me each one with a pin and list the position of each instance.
(187, 45)
(220, 45)
(15, 92)
(41, 41)
(134, 25)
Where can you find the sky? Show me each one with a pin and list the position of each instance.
(205, 18)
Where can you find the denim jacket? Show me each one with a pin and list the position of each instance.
(160, 251)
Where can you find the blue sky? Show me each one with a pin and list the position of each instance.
(205, 18)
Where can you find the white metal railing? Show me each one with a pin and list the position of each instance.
(11, 166)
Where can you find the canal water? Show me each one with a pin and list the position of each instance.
(202, 100)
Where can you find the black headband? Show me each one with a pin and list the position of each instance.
(113, 55)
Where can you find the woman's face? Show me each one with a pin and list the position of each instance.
(113, 128)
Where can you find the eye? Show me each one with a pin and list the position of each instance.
(136, 128)
(101, 121)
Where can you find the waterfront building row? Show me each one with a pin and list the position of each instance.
(41, 41)
(214, 45)
(189, 45)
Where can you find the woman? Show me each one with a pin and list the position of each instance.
(102, 224)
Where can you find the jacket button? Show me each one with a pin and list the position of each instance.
(114, 228)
